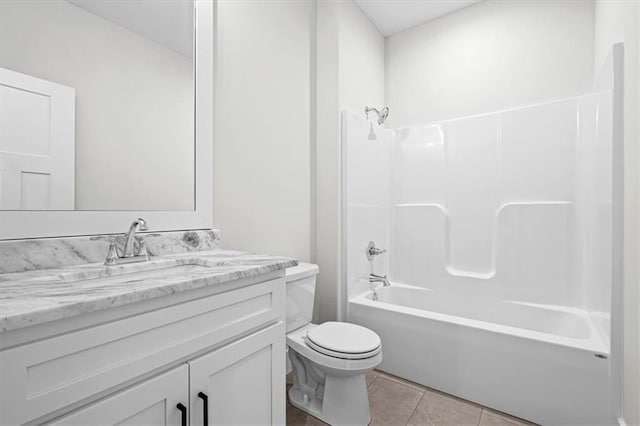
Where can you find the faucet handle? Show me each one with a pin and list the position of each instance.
(372, 250)
(142, 246)
(112, 252)
(373, 277)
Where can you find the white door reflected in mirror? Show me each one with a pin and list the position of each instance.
(37, 143)
(131, 66)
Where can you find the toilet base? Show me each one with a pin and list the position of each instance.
(344, 400)
(332, 389)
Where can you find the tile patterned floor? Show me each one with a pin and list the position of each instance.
(398, 402)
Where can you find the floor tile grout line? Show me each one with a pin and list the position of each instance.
(407, 385)
(416, 407)
(372, 382)
(413, 385)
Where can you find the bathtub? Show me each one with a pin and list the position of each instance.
(544, 363)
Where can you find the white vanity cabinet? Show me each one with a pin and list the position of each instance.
(152, 402)
(240, 383)
(134, 364)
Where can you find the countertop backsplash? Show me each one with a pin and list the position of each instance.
(47, 253)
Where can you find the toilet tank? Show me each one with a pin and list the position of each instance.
(300, 289)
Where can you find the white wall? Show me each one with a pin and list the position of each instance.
(361, 59)
(620, 21)
(350, 74)
(134, 103)
(277, 171)
(261, 167)
(487, 57)
(326, 162)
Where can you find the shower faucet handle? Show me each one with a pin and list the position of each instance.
(373, 251)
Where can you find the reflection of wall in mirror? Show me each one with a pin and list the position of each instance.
(134, 103)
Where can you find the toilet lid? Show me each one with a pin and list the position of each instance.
(342, 339)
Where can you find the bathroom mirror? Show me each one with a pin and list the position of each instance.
(170, 183)
(97, 105)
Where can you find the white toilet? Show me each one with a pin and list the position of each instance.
(328, 361)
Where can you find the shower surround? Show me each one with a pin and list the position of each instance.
(499, 230)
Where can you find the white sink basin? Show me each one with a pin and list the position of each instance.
(155, 268)
(177, 271)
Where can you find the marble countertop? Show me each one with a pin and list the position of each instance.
(40, 296)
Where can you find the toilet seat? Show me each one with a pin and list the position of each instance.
(341, 355)
(343, 340)
(297, 340)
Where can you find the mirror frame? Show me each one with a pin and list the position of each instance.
(57, 223)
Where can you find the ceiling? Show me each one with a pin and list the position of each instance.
(392, 16)
(167, 22)
(170, 22)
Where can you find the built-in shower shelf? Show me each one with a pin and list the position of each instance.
(502, 222)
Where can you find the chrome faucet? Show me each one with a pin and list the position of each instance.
(373, 278)
(128, 255)
(140, 224)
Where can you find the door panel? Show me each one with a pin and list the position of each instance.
(152, 402)
(37, 143)
(244, 381)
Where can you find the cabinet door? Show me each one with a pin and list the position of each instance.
(243, 382)
(152, 402)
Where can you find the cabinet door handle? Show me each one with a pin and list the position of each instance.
(205, 408)
(183, 411)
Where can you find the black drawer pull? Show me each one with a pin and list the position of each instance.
(205, 408)
(183, 410)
